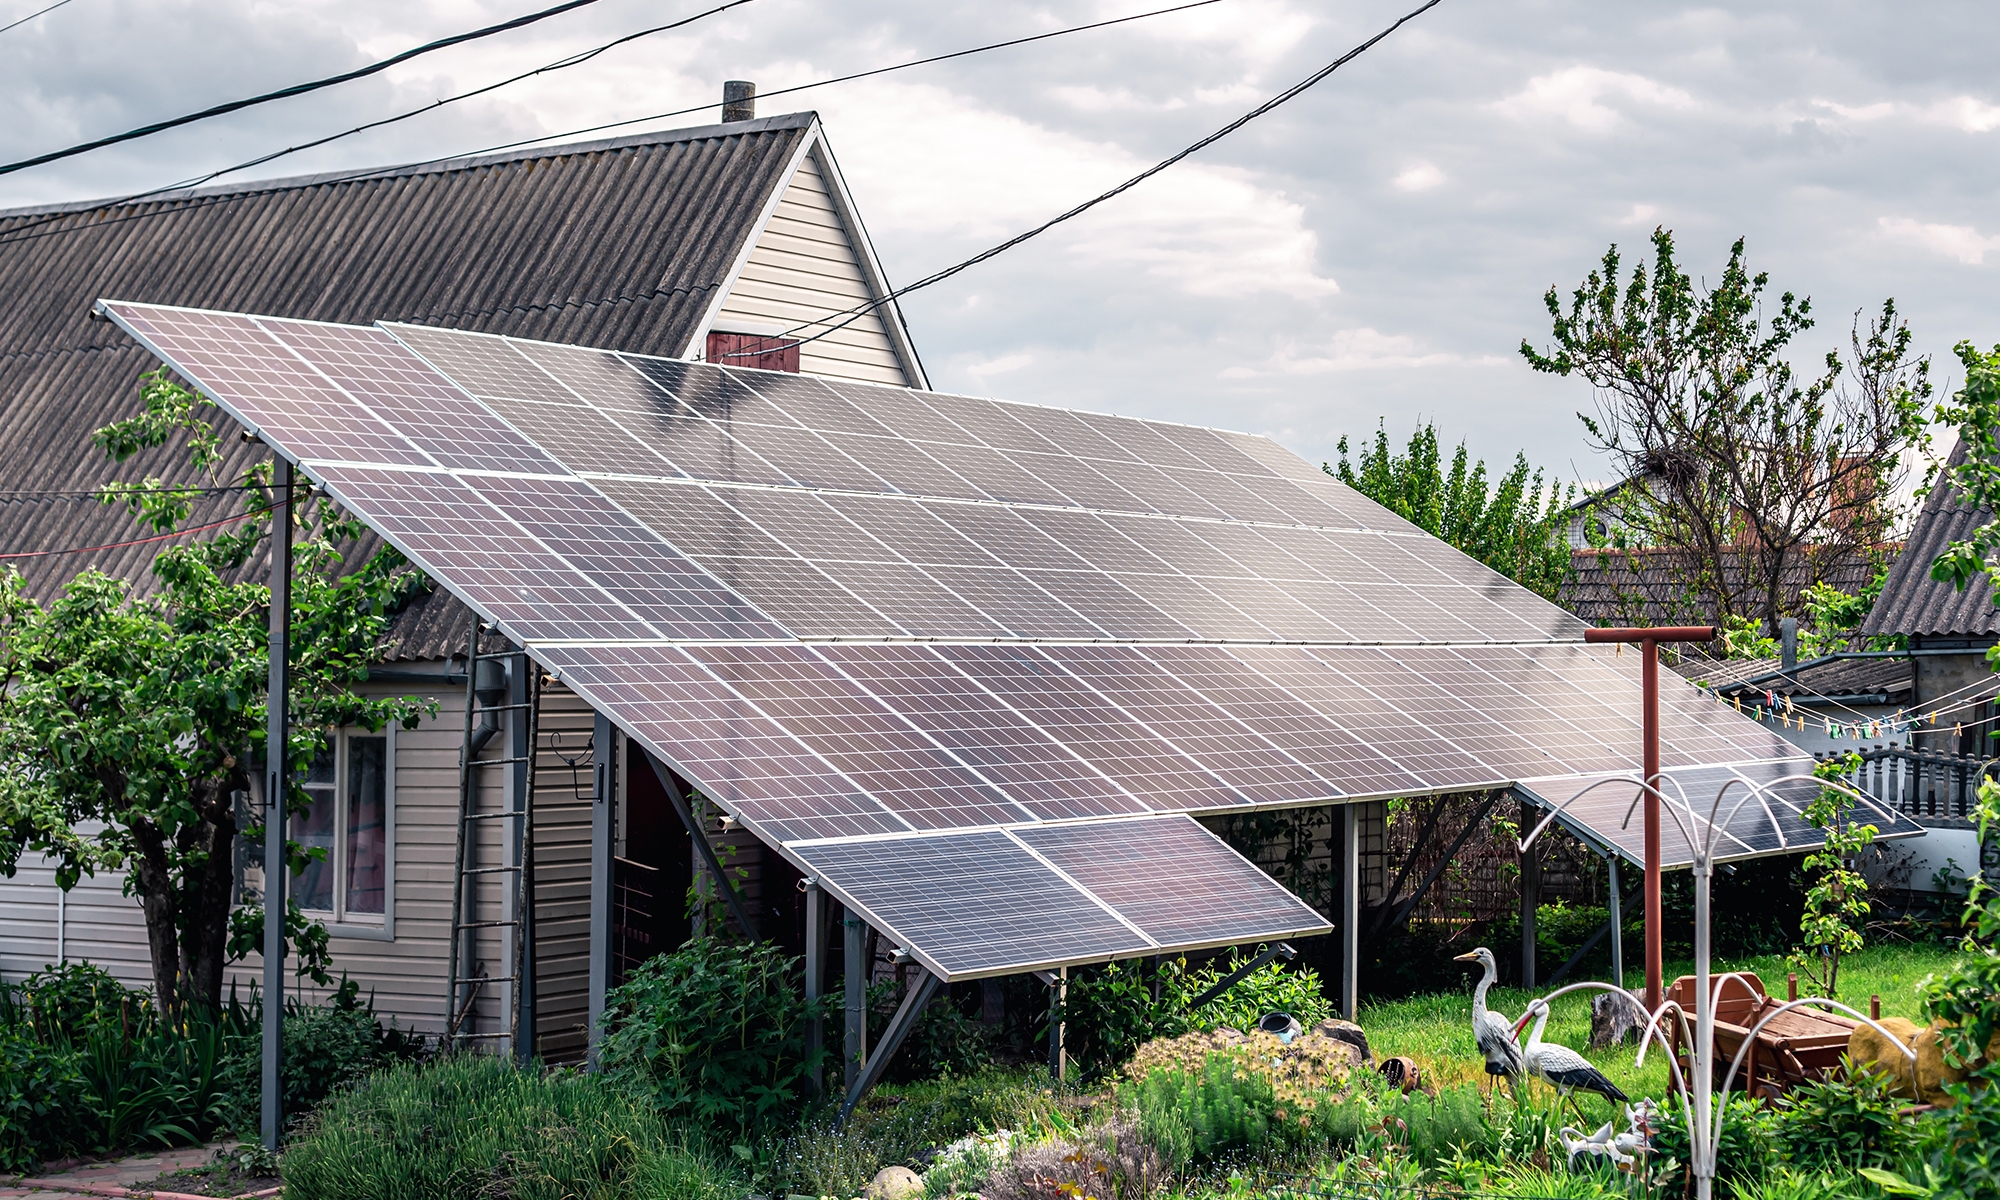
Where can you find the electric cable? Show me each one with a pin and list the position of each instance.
(297, 89)
(854, 314)
(31, 16)
(158, 537)
(24, 232)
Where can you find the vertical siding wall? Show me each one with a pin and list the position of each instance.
(805, 268)
(564, 779)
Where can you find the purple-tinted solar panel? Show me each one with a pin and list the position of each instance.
(1092, 728)
(265, 385)
(1261, 771)
(713, 735)
(502, 570)
(403, 390)
(864, 740)
(960, 715)
(1175, 880)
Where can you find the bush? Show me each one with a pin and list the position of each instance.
(1843, 1123)
(713, 1032)
(327, 1047)
(1272, 988)
(475, 1125)
(41, 1091)
(1199, 1096)
(1110, 1161)
(1436, 1128)
(1111, 1012)
(1960, 1149)
(944, 1041)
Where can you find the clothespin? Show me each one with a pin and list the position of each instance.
(1958, 730)
(1770, 697)
(1739, 702)
(1788, 704)
(1933, 718)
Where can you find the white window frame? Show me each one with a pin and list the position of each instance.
(366, 926)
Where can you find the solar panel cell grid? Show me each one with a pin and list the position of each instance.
(599, 378)
(861, 738)
(1082, 720)
(904, 412)
(1014, 601)
(973, 903)
(918, 535)
(583, 438)
(438, 418)
(800, 597)
(914, 600)
(1174, 880)
(999, 477)
(980, 729)
(483, 364)
(1262, 772)
(498, 566)
(711, 733)
(904, 466)
(256, 376)
(808, 459)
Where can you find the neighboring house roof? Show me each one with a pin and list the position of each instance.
(1893, 679)
(1644, 587)
(641, 243)
(1915, 604)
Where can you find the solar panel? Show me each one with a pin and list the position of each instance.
(970, 661)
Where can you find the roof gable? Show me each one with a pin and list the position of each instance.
(1912, 602)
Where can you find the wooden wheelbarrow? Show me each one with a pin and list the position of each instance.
(1802, 1046)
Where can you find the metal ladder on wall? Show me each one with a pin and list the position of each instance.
(467, 974)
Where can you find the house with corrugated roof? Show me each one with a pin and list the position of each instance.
(700, 243)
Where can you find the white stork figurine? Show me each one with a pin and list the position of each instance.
(1559, 1066)
(1491, 1030)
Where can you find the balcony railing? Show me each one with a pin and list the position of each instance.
(1922, 783)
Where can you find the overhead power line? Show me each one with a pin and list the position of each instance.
(23, 231)
(851, 315)
(297, 89)
(160, 537)
(31, 16)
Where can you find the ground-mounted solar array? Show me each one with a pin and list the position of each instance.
(937, 647)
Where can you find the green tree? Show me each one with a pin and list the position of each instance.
(144, 716)
(1515, 525)
(1837, 899)
(1754, 476)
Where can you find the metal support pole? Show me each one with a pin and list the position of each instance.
(1058, 999)
(603, 815)
(276, 791)
(1531, 898)
(678, 798)
(854, 1052)
(1281, 950)
(1350, 913)
(1650, 683)
(815, 979)
(1617, 926)
(922, 988)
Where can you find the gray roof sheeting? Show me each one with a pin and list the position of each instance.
(1915, 604)
(619, 243)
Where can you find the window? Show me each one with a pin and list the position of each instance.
(351, 822)
(754, 350)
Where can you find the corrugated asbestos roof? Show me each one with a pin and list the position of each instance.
(1892, 677)
(1912, 602)
(619, 243)
(1645, 587)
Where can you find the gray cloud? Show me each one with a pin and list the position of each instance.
(1376, 250)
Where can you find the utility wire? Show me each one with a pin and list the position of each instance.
(161, 537)
(297, 89)
(559, 64)
(854, 314)
(22, 232)
(31, 16)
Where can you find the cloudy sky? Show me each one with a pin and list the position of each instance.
(1376, 250)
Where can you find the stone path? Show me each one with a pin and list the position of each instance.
(120, 1173)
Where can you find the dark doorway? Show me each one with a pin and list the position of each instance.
(650, 915)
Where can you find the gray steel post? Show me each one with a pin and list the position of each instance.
(603, 751)
(1350, 913)
(276, 791)
(1617, 925)
(855, 1052)
(815, 979)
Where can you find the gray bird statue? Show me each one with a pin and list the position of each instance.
(1491, 1030)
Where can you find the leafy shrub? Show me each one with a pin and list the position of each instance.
(1783, 1184)
(475, 1125)
(1843, 1123)
(1959, 1152)
(967, 1165)
(40, 1091)
(58, 1000)
(820, 1160)
(1740, 1154)
(1272, 988)
(327, 1047)
(1200, 1096)
(944, 1041)
(714, 1032)
(1111, 1012)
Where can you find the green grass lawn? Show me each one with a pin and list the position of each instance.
(1436, 1030)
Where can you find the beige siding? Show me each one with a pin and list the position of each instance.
(563, 799)
(98, 922)
(803, 268)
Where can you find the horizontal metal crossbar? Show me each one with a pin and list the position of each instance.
(486, 925)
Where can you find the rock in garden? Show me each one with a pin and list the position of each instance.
(894, 1183)
(1345, 1031)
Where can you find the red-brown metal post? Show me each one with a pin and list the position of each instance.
(1649, 722)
